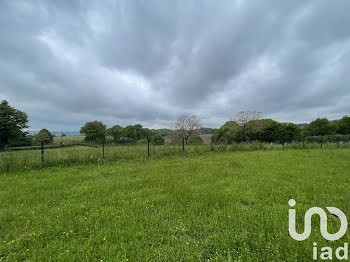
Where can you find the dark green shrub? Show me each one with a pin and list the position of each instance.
(158, 140)
(195, 140)
(142, 142)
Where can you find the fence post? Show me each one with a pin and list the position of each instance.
(303, 143)
(103, 148)
(147, 147)
(321, 141)
(183, 144)
(211, 144)
(42, 151)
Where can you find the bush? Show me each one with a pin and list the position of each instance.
(195, 140)
(176, 140)
(24, 141)
(158, 140)
(44, 136)
(142, 142)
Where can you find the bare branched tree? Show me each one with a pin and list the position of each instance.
(248, 123)
(187, 125)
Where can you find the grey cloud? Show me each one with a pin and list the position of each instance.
(67, 62)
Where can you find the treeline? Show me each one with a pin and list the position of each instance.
(166, 132)
(268, 130)
(186, 130)
(245, 126)
(97, 132)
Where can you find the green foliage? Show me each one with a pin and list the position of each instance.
(116, 132)
(207, 130)
(26, 140)
(343, 126)
(176, 140)
(163, 132)
(166, 132)
(158, 140)
(320, 127)
(273, 131)
(94, 131)
(288, 132)
(142, 141)
(249, 124)
(136, 132)
(270, 131)
(195, 139)
(44, 136)
(226, 134)
(12, 123)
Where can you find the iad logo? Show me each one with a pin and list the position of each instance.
(326, 251)
(323, 222)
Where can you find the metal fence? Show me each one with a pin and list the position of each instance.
(24, 158)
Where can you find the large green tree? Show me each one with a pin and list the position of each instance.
(320, 127)
(136, 132)
(12, 123)
(226, 133)
(343, 126)
(94, 131)
(115, 132)
(269, 132)
(245, 126)
(249, 124)
(44, 136)
(288, 132)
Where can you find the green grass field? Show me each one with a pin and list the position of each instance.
(28, 158)
(68, 139)
(229, 206)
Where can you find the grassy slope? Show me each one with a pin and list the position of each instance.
(228, 206)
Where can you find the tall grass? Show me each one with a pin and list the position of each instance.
(214, 207)
(71, 155)
(68, 139)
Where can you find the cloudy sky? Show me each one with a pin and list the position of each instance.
(144, 61)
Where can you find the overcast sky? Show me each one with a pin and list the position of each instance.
(127, 62)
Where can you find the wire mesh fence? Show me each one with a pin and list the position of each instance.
(66, 155)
